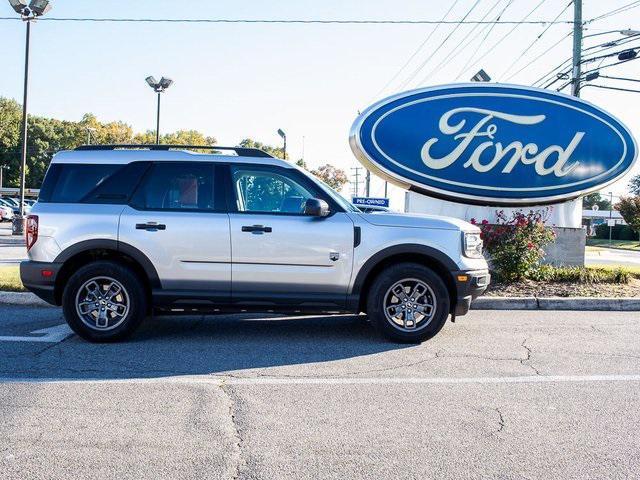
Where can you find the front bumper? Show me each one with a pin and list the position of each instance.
(470, 284)
(34, 280)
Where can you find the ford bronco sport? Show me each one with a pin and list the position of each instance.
(121, 231)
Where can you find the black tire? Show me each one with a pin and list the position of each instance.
(438, 295)
(124, 321)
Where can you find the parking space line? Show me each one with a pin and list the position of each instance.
(274, 381)
(54, 334)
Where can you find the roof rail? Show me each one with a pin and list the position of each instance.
(240, 151)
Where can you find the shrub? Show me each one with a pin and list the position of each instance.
(619, 232)
(515, 244)
(549, 273)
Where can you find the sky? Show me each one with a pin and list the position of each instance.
(234, 81)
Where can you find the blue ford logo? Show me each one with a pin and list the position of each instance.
(493, 144)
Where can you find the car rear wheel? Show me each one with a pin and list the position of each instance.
(408, 303)
(104, 301)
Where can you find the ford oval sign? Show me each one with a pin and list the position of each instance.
(493, 144)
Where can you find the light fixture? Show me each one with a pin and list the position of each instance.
(151, 81)
(18, 5)
(165, 82)
(39, 7)
(481, 76)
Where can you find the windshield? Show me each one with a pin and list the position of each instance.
(339, 199)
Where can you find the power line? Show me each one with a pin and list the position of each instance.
(461, 46)
(417, 50)
(422, 65)
(294, 21)
(611, 88)
(541, 55)
(464, 68)
(605, 45)
(518, 57)
(616, 11)
(491, 50)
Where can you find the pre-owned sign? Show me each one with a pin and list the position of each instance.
(493, 144)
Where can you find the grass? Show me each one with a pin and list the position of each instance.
(10, 279)
(633, 245)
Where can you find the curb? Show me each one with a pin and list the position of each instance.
(26, 299)
(622, 304)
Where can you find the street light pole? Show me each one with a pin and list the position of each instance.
(18, 223)
(610, 215)
(35, 9)
(158, 87)
(284, 139)
(158, 122)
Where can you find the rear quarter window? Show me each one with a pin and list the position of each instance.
(91, 183)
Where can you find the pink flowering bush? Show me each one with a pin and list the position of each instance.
(515, 244)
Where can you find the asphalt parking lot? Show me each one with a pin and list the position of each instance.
(496, 395)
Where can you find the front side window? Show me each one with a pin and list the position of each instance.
(265, 191)
(177, 186)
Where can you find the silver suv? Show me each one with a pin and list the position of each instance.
(121, 231)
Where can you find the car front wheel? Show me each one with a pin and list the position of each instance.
(408, 303)
(104, 301)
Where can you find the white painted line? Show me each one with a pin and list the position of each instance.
(51, 335)
(225, 380)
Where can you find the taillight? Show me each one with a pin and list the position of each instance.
(31, 231)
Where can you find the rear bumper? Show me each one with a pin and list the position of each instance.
(31, 274)
(470, 284)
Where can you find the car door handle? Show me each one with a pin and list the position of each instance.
(256, 229)
(150, 226)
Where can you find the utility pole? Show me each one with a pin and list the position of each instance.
(367, 184)
(356, 174)
(577, 48)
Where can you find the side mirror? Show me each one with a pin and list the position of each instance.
(315, 207)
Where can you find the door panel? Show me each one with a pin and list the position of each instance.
(278, 252)
(295, 257)
(192, 252)
(178, 219)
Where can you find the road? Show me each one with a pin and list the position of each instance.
(611, 256)
(495, 395)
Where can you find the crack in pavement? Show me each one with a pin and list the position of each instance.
(528, 359)
(240, 461)
(501, 421)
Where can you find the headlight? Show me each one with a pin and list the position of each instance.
(472, 245)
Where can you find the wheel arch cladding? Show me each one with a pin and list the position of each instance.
(434, 259)
(88, 251)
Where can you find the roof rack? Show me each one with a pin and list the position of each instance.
(240, 151)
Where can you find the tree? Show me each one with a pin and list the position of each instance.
(332, 176)
(180, 137)
(588, 201)
(273, 151)
(49, 135)
(629, 208)
(634, 185)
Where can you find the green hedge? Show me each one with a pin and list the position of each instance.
(620, 232)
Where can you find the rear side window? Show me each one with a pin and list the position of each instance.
(91, 183)
(182, 186)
